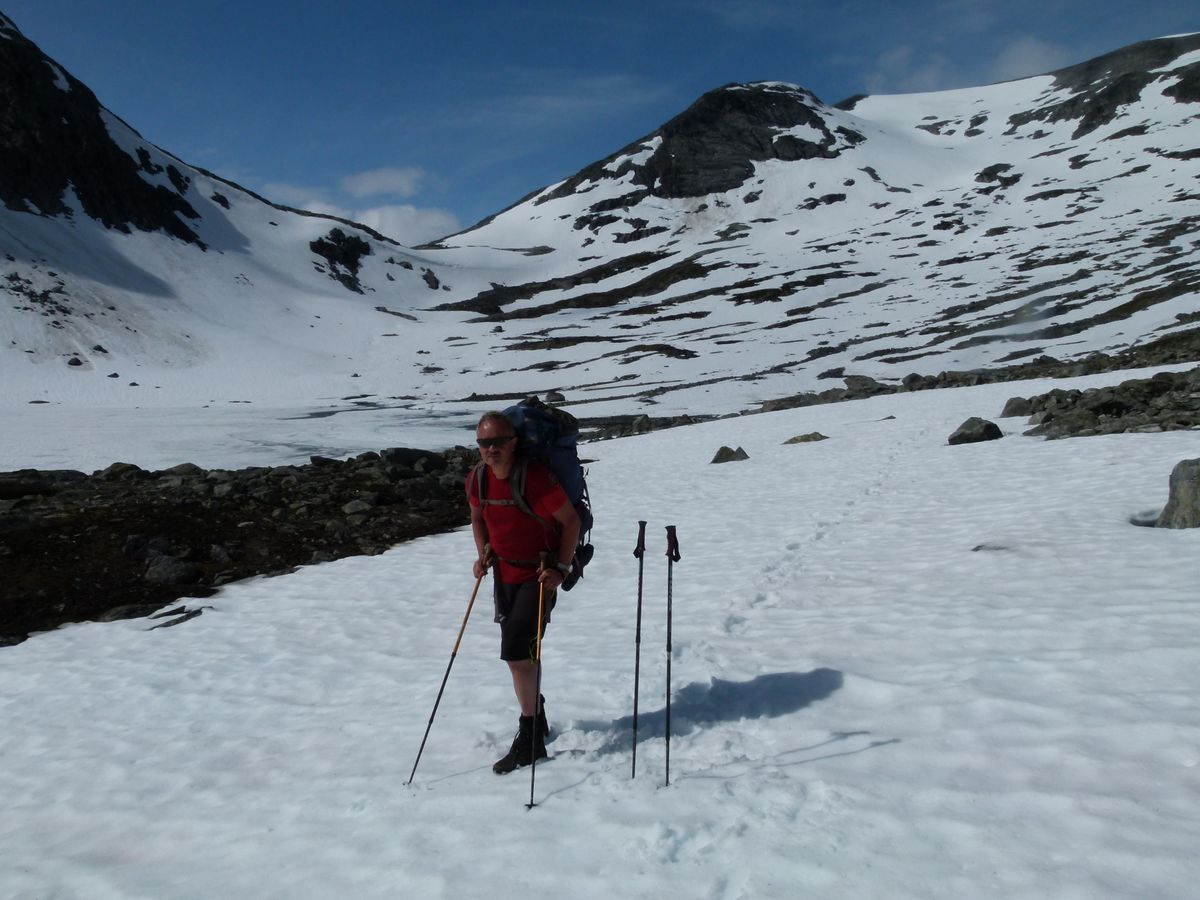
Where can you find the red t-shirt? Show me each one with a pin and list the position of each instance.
(513, 534)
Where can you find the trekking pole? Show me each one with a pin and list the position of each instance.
(537, 662)
(487, 554)
(672, 558)
(640, 552)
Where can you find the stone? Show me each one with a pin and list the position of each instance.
(727, 454)
(1183, 503)
(120, 471)
(171, 570)
(862, 385)
(1017, 406)
(807, 438)
(975, 430)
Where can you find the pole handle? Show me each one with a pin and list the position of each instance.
(640, 550)
(672, 544)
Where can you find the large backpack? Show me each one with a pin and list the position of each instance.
(549, 435)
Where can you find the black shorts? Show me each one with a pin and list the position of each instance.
(517, 611)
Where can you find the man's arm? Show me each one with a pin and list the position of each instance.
(479, 530)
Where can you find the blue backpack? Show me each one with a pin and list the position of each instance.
(549, 435)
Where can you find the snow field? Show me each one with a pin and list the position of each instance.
(901, 669)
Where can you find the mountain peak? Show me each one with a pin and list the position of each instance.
(713, 145)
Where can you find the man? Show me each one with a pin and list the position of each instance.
(517, 541)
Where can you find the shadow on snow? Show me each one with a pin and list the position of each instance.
(698, 705)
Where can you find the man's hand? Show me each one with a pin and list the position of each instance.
(482, 565)
(551, 578)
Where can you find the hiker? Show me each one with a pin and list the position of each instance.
(517, 540)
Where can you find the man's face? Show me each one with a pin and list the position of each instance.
(496, 443)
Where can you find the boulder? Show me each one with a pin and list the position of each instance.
(1183, 503)
(807, 438)
(1017, 406)
(975, 430)
(727, 454)
(864, 386)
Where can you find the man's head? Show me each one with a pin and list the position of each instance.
(497, 441)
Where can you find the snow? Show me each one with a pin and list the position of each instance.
(901, 669)
(60, 78)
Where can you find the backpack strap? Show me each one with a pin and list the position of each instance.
(479, 477)
(516, 486)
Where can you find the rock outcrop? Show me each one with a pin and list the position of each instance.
(123, 541)
(54, 135)
(1168, 401)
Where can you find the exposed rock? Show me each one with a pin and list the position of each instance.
(727, 454)
(594, 429)
(862, 386)
(1168, 401)
(975, 430)
(1016, 406)
(168, 570)
(344, 253)
(1181, 347)
(125, 541)
(713, 145)
(55, 137)
(809, 438)
(1183, 503)
(1101, 86)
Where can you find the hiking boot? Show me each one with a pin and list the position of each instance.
(524, 745)
(543, 725)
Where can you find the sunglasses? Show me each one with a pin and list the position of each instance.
(484, 443)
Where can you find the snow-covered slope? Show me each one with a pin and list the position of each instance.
(961, 229)
(120, 263)
(756, 241)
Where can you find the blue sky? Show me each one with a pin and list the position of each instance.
(423, 117)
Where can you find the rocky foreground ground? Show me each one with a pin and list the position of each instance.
(125, 542)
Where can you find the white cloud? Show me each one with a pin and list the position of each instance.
(409, 225)
(402, 222)
(1029, 56)
(903, 70)
(293, 195)
(393, 182)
